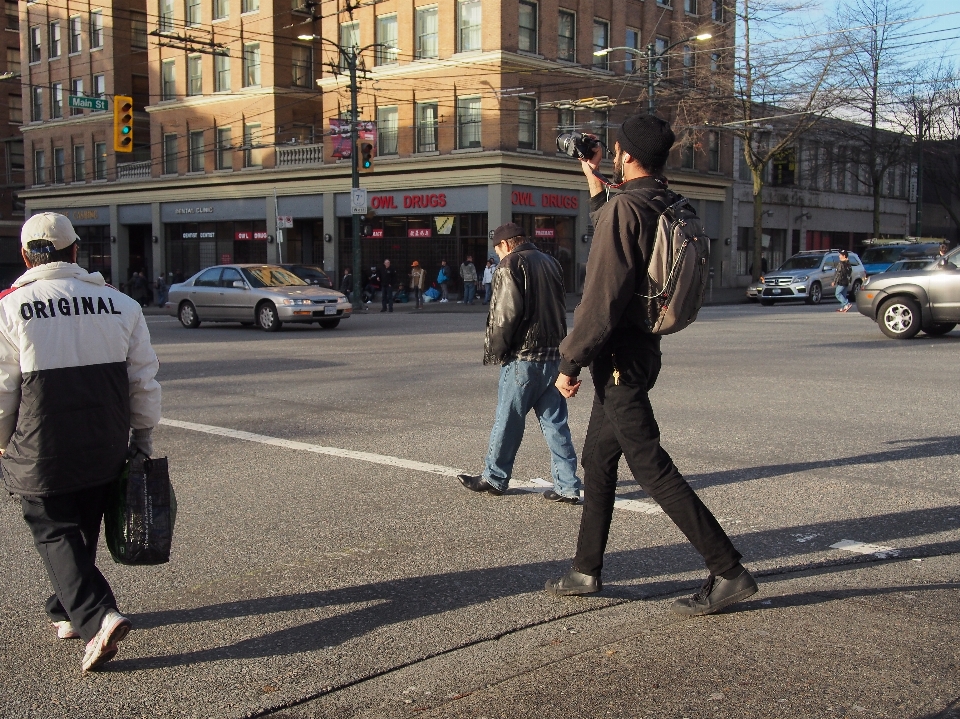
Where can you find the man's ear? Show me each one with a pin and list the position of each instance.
(627, 157)
(26, 258)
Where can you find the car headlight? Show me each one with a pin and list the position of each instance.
(866, 281)
(801, 279)
(295, 302)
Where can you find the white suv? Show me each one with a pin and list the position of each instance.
(807, 276)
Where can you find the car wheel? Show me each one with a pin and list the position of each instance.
(855, 289)
(766, 303)
(941, 328)
(815, 295)
(188, 315)
(267, 318)
(899, 318)
(328, 324)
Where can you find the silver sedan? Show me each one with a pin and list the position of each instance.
(263, 294)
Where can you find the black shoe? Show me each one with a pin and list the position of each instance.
(384, 309)
(574, 582)
(552, 496)
(478, 484)
(716, 594)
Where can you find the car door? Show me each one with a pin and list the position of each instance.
(235, 302)
(827, 271)
(205, 293)
(943, 291)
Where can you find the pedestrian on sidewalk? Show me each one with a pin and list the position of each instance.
(418, 279)
(161, 288)
(841, 278)
(526, 322)
(468, 273)
(371, 287)
(346, 282)
(388, 280)
(488, 280)
(609, 336)
(72, 386)
(443, 279)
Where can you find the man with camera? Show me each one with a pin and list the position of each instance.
(610, 337)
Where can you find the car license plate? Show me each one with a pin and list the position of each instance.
(776, 292)
(330, 310)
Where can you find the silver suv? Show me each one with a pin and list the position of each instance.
(807, 276)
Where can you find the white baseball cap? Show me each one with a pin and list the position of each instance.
(49, 226)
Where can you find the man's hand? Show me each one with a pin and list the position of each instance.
(590, 166)
(567, 385)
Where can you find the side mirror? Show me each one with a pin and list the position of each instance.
(240, 284)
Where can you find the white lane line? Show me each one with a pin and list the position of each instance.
(850, 545)
(534, 485)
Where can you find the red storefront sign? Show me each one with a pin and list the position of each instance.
(376, 233)
(419, 201)
(543, 232)
(420, 232)
(547, 200)
(226, 259)
(245, 235)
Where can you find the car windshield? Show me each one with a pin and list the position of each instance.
(312, 273)
(272, 277)
(801, 262)
(880, 255)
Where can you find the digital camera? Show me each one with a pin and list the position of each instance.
(576, 144)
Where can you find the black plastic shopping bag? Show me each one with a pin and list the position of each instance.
(138, 522)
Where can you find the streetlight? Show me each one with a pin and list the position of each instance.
(652, 59)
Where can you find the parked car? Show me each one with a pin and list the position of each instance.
(905, 303)
(807, 276)
(754, 289)
(267, 295)
(907, 265)
(311, 274)
(880, 259)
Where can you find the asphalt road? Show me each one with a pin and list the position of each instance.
(308, 581)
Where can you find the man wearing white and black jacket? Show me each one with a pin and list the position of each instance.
(77, 394)
(610, 336)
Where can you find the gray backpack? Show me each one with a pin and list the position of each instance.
(672, 292)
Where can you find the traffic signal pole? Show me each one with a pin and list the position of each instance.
(354, 175)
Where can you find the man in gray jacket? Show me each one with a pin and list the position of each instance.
(77, 374)
(609, 335)
(527, 321)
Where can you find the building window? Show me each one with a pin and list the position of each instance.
(251, 64)
(426, 127)
(100, 87)
(79, 163)
(100, 159)
(59, 163)
(13, 60)
(387, 124)
(427, 33)
(192, 12)
(251, 143)
(387, 40)
(468, 122)
(224, 149)
(56, 100)
(75, 32)
(566, 121)
(349, 41)
(468, 37)
(632, 40)
(76, 89)
(687, 155)
(39, 168)
(195, 150)
(13, 18)
(15, 109)
(689, 60)
(35, 43)
(527, 118)
(36, 106)
(96, 29)
(170, 154)
(194, 75)
(54, 38)
(663, 3)
(249, 5)
(660, 46)
(302, 66)
(601, 41)
(168, 79)
(221, 73)
(138, 31)
(221, 9)
(567, 37)
(527, 38)
(166, 16)
(717, 11)
(598, 126)
(690, 6)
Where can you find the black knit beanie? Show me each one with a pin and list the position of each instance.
(647, 139)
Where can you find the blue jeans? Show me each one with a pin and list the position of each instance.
(486, 292)
(469, 292)
(841, 295)
(526, 386)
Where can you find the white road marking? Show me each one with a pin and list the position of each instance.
(534, 485)
(850, 545)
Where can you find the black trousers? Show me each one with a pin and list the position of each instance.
(386, 298)
(622, 424)
(66, 528)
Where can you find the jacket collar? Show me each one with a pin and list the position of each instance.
(645, 183)
(528, 245)
(59, 271)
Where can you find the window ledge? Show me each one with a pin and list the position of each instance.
(530, 151)
(466, 53)
(96, 49)
(251, 167)
(223, 171)
(168, 175)
(250, 12)
(527, 53)
(219, 19)
(429, 153)
(465, 150)
(195, 173)
(74, 54)
(571, 63)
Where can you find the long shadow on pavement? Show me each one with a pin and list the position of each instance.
(400, 600)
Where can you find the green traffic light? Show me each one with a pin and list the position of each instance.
(125, 130)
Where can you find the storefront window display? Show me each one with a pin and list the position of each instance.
(425, 238)
(191, 246)
(93, 252)
(554, 235)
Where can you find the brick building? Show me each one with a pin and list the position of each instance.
(468, 96)
(11, 149)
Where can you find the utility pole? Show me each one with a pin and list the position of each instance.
(354, 174)
(919, 228)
